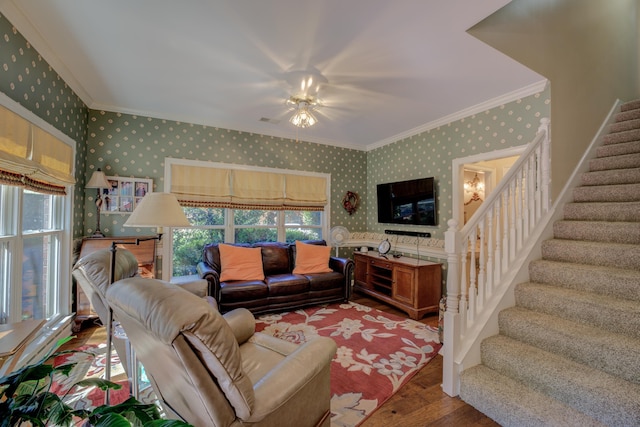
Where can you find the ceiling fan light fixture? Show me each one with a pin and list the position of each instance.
(303, 117)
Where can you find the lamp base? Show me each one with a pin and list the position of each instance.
(97, 234)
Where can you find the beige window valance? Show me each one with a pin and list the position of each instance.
(198, 186)
(31, 157)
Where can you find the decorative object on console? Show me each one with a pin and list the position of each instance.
(350, 202)
(384, 247)
(154, 210)
(337, 236)
(98, 181)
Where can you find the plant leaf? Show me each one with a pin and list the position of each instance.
(100, 383)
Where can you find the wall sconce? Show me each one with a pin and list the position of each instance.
(476, 188)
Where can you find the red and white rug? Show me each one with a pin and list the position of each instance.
(377, 352)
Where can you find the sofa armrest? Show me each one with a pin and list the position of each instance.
(344, 266)
(211, 276)
(242, 323)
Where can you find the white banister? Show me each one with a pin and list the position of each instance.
(481, 253)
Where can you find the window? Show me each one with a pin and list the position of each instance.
(30, 245)
(215, 225)
(36, 194)
(241, 204)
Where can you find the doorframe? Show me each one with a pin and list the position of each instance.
(462, 163)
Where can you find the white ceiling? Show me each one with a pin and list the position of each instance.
(394, 68)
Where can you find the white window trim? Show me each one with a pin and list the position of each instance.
(59, 325)
(165, 250)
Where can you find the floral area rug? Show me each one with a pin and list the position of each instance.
(377, 352)
(90, 362)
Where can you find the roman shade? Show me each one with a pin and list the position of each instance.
(31, 157)
(215, 187)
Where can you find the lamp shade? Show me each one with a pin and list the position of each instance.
(98, 180)
(158, 210)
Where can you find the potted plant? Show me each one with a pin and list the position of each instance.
(25, 397)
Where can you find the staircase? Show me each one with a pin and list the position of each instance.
(568, 352)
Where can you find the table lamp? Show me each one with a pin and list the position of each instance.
(154, 210)
(98, 180)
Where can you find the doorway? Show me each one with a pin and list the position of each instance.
(475, 177)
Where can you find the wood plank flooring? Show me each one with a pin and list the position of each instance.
(419, 403)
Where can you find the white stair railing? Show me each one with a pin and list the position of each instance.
(480, 254)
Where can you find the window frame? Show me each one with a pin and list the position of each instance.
(166, 250)
(11, 202)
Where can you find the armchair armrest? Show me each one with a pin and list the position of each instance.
(293, 375)
(242, 323)
(211, 276)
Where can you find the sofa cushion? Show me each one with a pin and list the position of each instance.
(311, 258)
(238, 263)
(211, 254)
(242, 291)
(320, 282)
(276, 257)
(287, 284)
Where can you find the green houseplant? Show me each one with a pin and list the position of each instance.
(25, 397)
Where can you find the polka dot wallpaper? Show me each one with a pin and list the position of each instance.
(30, 81)
(136, 146)
(431, 153)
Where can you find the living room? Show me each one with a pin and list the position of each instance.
(106, 139)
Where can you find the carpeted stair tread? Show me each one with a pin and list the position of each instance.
(607, 193)
(626, 164)
(627, 115)
(618, 149)
(624, 136)
(614, 282)
(612, 176)
(624, 126)
(621, 164)
(615, 354)
(511, 404)
(630, 105)
(603, 311)
(606, 398)
(601, 211)
(618, 255)
(598, 231)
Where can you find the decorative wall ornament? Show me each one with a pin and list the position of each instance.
(350, 202)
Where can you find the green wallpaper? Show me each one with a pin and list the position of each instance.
(30, 81)
(135, 146)
(431, 153)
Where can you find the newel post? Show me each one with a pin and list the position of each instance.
(450, 374)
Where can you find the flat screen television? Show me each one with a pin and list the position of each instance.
(408, 202)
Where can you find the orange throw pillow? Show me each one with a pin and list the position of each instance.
(312, 258)
(237, 263)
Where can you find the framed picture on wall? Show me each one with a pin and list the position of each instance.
(124, 193)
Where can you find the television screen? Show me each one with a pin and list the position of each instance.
(408, 202)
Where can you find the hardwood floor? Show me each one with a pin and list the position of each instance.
(419, 403)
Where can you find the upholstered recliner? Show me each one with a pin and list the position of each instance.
(92, 273)
(214, 370)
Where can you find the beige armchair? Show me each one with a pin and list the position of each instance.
(211, 370)
(92, 273)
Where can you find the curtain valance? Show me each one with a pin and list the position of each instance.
(31, 157)
(201, 186)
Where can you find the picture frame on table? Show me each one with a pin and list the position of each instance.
(124, 194)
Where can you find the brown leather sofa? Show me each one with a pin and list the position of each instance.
(281, 289)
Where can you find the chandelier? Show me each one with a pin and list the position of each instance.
(303, 116)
